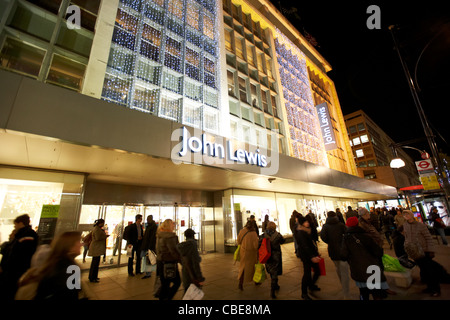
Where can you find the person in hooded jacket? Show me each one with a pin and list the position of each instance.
(190, 260)
(167, 254)
(332, 233)
(362, 252)
(309, 254)
(274, 265)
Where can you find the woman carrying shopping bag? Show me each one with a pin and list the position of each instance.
(248, 240)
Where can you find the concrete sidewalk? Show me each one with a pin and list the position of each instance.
(221, 283)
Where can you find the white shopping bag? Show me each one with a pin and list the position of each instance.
(152, 257)
(129, 251)
(193, 293)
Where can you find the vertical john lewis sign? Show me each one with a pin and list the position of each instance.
(326, 127)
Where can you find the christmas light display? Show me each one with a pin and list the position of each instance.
(306, 140)
(164, 60)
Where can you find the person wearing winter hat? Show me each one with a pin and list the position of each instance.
(364, 222)
(361, 251)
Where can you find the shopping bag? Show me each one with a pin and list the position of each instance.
(129, 251)
(237, 254)
(260, 273)
(322, 267)
(391, 264)
(193, 293)
(152, 257)
(264, 251)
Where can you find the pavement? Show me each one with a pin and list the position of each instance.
(221, 283)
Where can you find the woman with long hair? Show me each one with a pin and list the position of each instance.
(168, 258)
(51, 278)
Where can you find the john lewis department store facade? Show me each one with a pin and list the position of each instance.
(148, 121)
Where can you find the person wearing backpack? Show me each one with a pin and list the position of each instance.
(274, 266)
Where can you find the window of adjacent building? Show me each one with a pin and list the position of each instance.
(356, 141)
(89, 11)
(246, 113)
(352, 129)
(361, 127)
(364, 138)
(362, 164)
(369, 174)
(116, 89)
(250, 55)
(234, 108)
(151, 41)
(21, 57)
(239, 47)
(66, 72)
(264, 101)
(359, 153)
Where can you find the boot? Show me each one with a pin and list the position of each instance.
(272, 293)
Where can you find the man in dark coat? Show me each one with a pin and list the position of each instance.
(18, 260)
(308, 253)
(134, 234)
(149, 241)
(332, 233)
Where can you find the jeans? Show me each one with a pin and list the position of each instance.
(342, 270)
(441, 232)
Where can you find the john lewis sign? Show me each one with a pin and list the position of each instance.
(225, 151)
(326, 127)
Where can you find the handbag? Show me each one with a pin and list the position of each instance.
(237, 252)
(260, 273)
(170, 270)
(264, 251)
(414, 250)
(193, 293)
(152, 257)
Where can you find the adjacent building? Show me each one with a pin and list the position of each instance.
(373, 153)
(204, 112)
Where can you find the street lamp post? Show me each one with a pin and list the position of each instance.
(436, 160)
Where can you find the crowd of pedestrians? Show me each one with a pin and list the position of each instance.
(354, 242)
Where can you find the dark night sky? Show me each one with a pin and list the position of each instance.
(367, 71)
